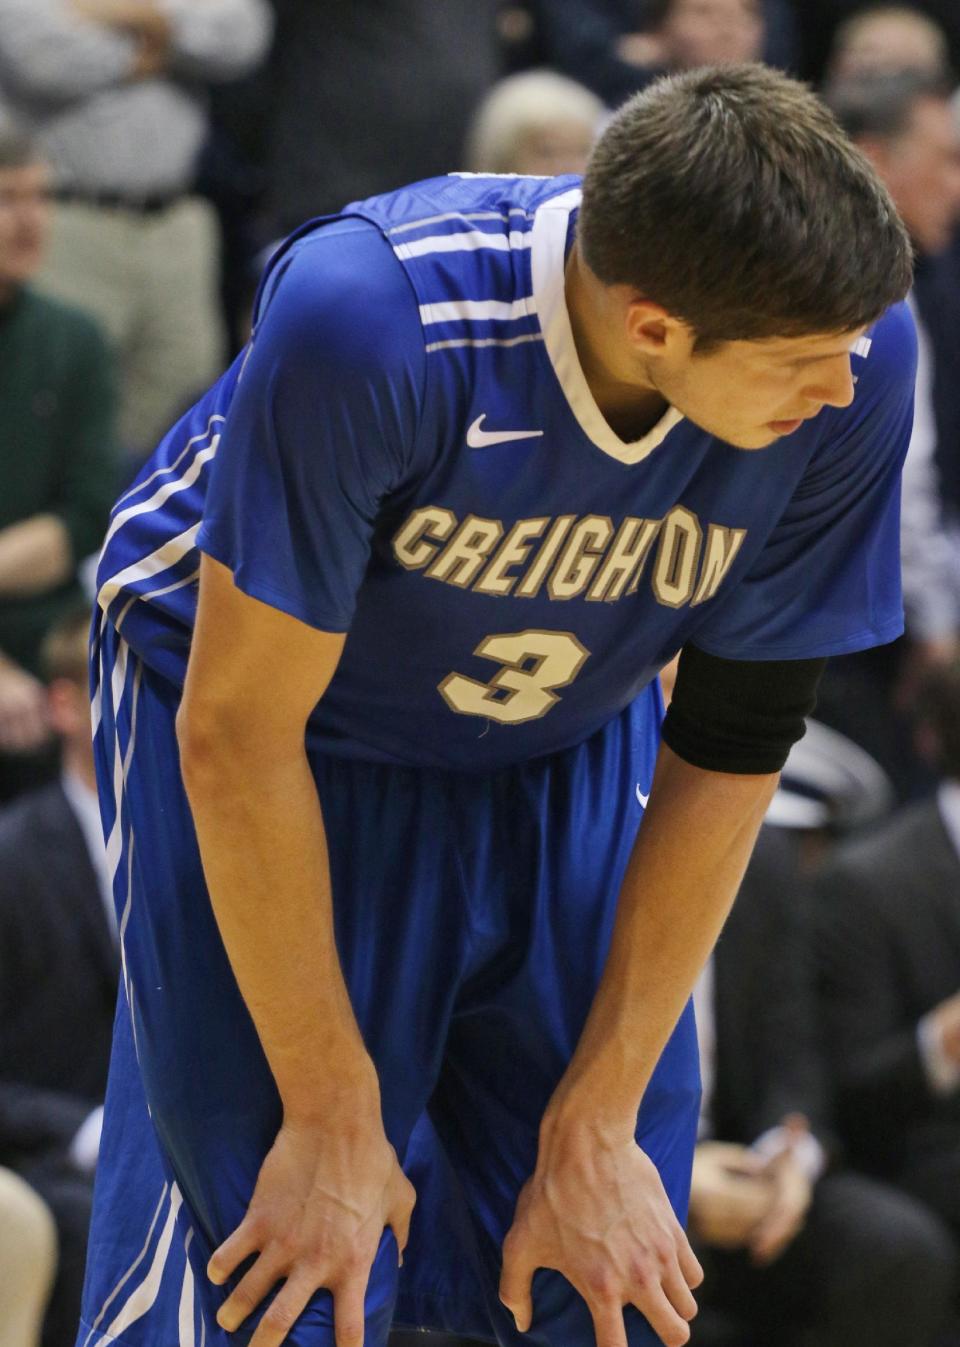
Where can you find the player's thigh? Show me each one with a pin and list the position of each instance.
(517, 1024)
(190, 1046)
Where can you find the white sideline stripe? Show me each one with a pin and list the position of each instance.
(117, 677)
(187, 1334)
(161, 472)
(459, 215)
(155, 594)
(160, 560)
(862, 346)
(96, 701)
(468, 241)
(462, 173)
(143, 1297)
(482, 341)
(477, 310)
(166, 491)
(129, 1272)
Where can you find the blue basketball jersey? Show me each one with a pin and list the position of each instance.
(409, 451)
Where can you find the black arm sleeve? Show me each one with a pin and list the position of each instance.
(730, 715)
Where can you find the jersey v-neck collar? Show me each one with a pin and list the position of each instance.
(548, 259)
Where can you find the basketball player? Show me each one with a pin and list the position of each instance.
(377, 722)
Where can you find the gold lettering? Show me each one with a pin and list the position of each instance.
(675, 568)
(721, 550)
(466, 551)
(409, 544)
(580, 557)
(625, 559)
(514, 549)
(529, 586)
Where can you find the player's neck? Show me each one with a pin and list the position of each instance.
(630, 406)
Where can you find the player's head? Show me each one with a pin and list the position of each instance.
(884, 39)
(741, 245)
(536, 122)
(907, 126)
(24, 207)
(706, 32)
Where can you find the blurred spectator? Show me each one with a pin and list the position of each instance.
(690, 33)
(796, 1250)
(885, 40)
(114, 89)
(57, 469)
(616, 47)
(28, 1256)
(889, 960)
(819, 20)
(58, 977)
(537, 122)
(370, 95)
(905, 125)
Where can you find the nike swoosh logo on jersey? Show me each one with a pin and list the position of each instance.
(641, 798)
(480, 439)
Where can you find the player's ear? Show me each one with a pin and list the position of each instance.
(652, 330)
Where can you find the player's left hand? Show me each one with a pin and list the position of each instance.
(596, 1211)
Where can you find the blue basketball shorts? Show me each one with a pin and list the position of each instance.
(472, 914)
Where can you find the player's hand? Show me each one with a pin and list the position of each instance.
(730, 1195)
(24, 726)
(322, 1200)
(596, 1211)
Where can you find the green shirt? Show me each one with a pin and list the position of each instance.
(57, 447)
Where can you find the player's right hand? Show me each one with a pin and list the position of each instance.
(595, 1210)
(322, 1200)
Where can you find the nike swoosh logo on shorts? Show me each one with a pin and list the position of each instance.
(641, 798)
(480, 439)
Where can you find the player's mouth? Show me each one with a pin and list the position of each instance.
(785, 427)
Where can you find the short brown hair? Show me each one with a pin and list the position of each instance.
(732, 197)
(63, 653)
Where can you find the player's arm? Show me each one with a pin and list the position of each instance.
(331, 1183)
(691, 851)
(319, 430)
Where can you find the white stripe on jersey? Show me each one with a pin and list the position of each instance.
(482, 341)
(142, 1299)
(129, 1272)
(167, 490)
(161, 560)
(161, 472)
(459, 215)
(468, 240)
(477, 310)
(861, 346)
(185, 1313)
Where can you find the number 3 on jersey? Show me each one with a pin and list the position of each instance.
(534, 664)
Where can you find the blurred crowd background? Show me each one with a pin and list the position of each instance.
(151, 154)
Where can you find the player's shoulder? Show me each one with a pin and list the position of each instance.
(479, 197)
(336, 290)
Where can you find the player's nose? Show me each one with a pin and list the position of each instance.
(833, 384)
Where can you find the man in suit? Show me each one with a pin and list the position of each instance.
(889, 964)
(796, 1249)
(58, 977)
